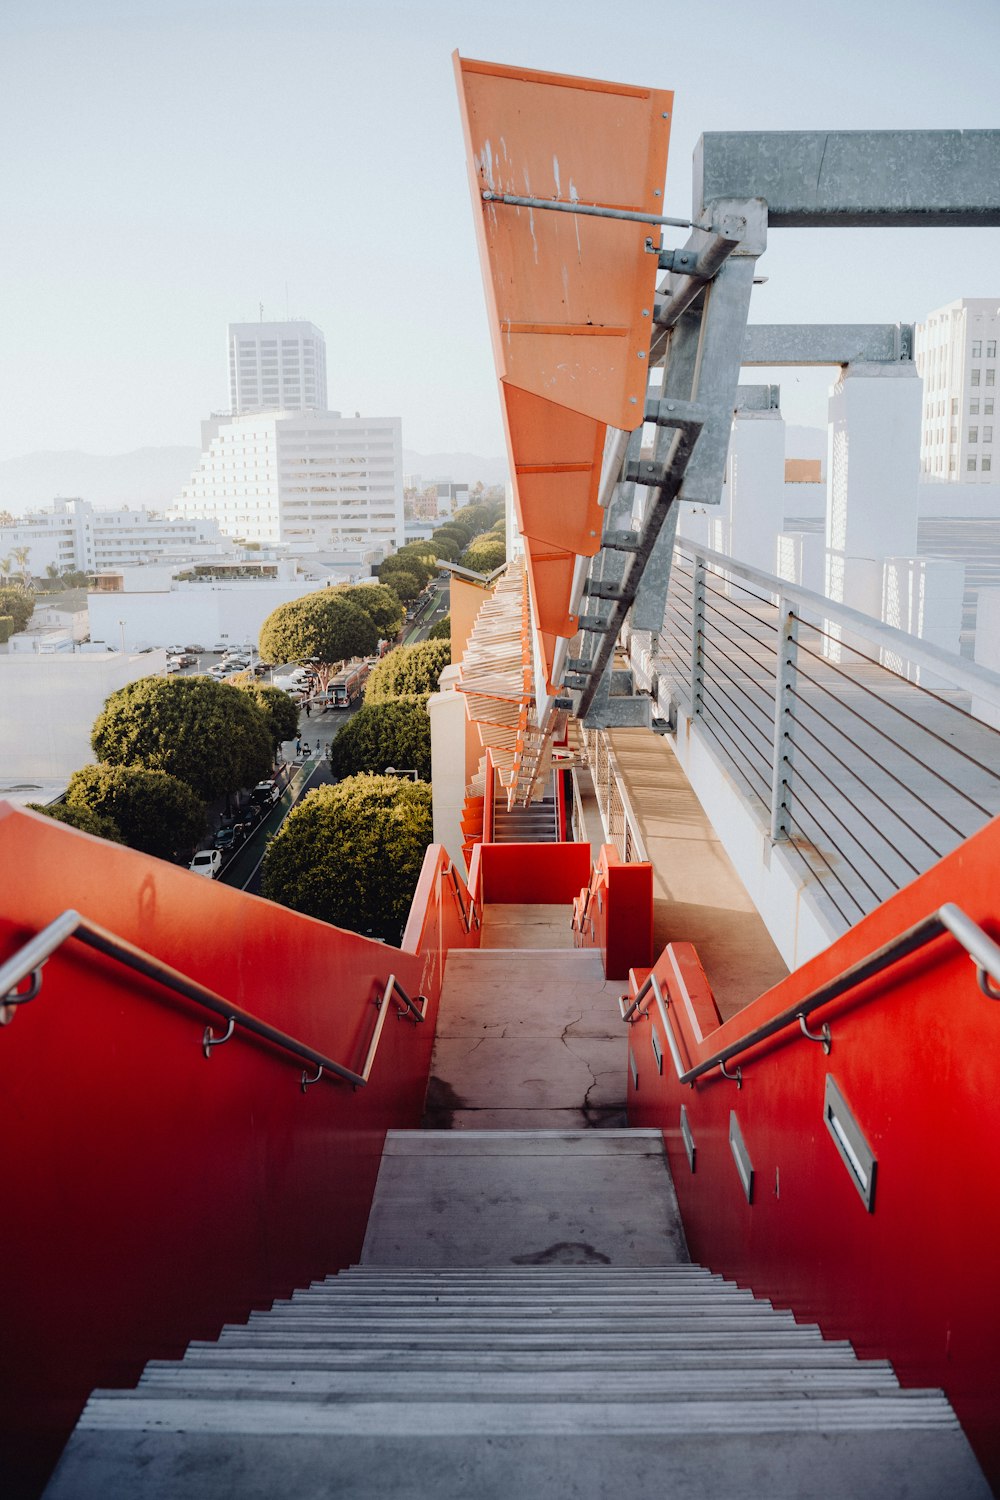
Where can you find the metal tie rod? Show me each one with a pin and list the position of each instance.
(593, 210)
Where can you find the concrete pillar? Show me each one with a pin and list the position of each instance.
(800, 557)
(754, 492)
(987, 649)
(449, 730)
(924, 597)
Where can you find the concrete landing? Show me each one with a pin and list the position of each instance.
(697, 895)
(551, 1198)
(527, 1040)
(516, 925)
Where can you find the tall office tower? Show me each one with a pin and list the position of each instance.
(317, 477)
(276, 367)
(956, 355)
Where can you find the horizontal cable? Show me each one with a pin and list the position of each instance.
(708, 650)
(897, 744)
(826, 832)
(711, 619)
(795, 847)
(834, 876)
(869, 788)
(709, 646)
(716, 711)
(862, 815)
(751, 614)
(909, 719)
(870, 760)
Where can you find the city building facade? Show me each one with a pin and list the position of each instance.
(956, 354)
(71, 536)
(312, 477)
(276, 367)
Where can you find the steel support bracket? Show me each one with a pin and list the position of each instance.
(645, 472)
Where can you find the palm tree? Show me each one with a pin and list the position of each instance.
(6, 566)
(21, 558)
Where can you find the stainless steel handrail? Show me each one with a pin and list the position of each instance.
(29, 959)
(979, 946)
(453, 874)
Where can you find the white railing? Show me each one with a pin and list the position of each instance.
(865, 776)
(617, 814)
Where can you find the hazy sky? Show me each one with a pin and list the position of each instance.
(166, 166)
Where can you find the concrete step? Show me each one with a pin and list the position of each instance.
(720, 1336)
(822, 1355)
(307, 1459)
(563, 1320)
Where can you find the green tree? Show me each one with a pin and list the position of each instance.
(83, 818)
(483, 556)
(350, 854)
(407, 560)
(18, 603)
(404, 584)
(210, 735)
(379, 602)
(408, 671)
(156, 813)
(326, 627)
(393, 732)
(280, 713)
(441, 630)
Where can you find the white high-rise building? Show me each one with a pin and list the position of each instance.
(334, 481)
(276, 367)
(72, 535)
(956, 356)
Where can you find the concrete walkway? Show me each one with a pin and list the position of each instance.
(697, 895)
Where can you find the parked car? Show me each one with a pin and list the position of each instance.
(173, 664)
(220, 647)
(187, 659)
(175, 650)
(228, 839)
(266, 793)
(206, 862)
(195, 650)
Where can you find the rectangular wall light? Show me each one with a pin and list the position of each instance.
(741, 1155)
(855, 1152)
(687, 1137)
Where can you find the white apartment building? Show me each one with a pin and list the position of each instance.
(72, 535)
(276, 367)
(956, 355)
(302, 477)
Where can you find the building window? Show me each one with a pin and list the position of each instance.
(991, 377)
(987, 434)
(954, 435)
(970, 464)
(954, 406)
(974, 377)
(973, 434)
(991, 349)
(974, 407)
(987, 463)
(951, 464)
(988, 407)
(977, 349)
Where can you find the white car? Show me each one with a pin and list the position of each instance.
(206, 862)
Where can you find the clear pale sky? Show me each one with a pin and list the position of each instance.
(167, 166)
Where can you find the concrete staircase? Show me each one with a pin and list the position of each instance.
(534, 824)
(548, 1338)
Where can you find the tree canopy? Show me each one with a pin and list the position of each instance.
(326, 626)
(281, 715)
(380, 602)
(406, 585)
(156, 813)
(407, 671)
(83, 818)
(395, 732)
(483, 555)
(440, 630)
(19, 603)
(411, 559)
(208, 734)
(350, 854)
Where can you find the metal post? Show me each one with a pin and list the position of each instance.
(785, 673)
(697, 636)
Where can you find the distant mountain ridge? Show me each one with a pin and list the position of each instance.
(154, 477)
(145, 477)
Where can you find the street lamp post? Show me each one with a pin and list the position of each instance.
(121, 626)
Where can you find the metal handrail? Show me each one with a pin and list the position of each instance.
(453, 875)
(979, 946)
(28, 961)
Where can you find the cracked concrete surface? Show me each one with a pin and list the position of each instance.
(528, 1039)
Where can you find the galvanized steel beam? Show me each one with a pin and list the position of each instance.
(828, 343)
(854, 178)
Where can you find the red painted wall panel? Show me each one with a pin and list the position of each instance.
(916, 1053)
(149, 1193)
(619, 917)
(531, 872)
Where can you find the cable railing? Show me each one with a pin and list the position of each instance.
(949, 918)
(859, 768)
(28, 963)
(620, 822)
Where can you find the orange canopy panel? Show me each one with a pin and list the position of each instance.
(557, 456)
(570, 297)
(550, 570)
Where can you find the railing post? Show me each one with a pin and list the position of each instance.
(697, 635)
(785, 673)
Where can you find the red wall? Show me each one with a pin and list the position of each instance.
(916, 1052)
(619, 918)
(546, 873)
(150, 1194)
